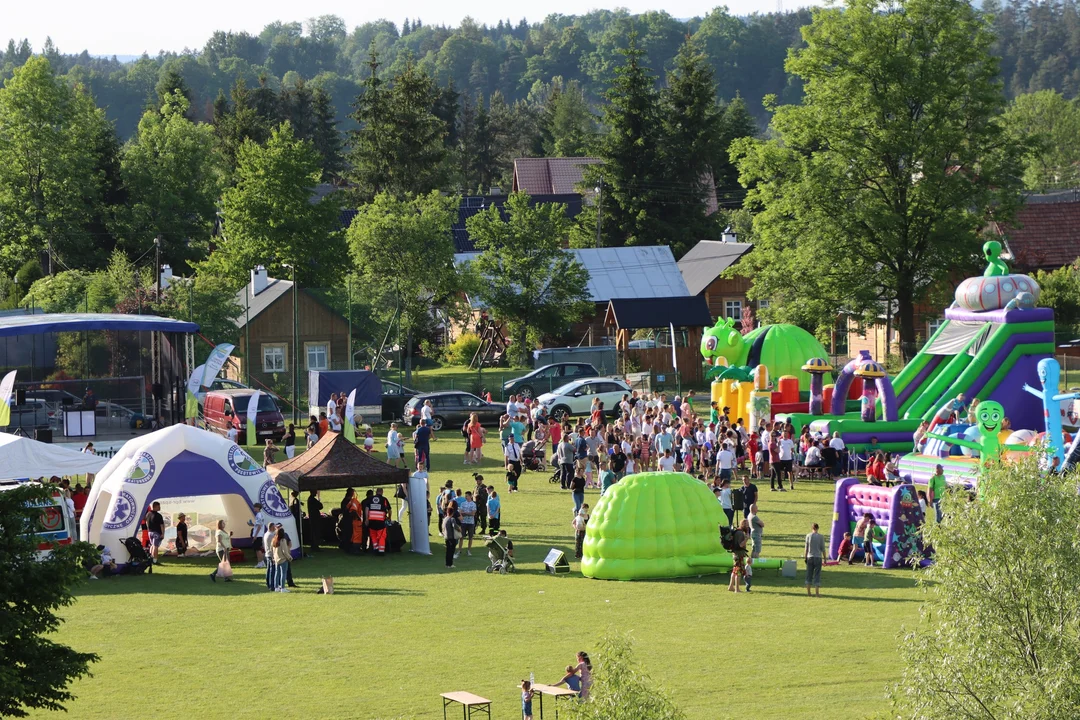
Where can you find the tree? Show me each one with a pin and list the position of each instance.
(632, 172)
(1054, 123)
(325, 135)
(571, 127)
(692, 124)
(875, 187)
(36, 670)
(174, 174)
(523, 274)
(999, 633)
(270, 218)
(49, 186)
(1061, 292)
(237, 121)
(737, 123)
(404, 250)
(399, 147)
(621, 691)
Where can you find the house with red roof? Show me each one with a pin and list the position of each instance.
(1045, 234)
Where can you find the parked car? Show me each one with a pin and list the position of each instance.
(223, 408)
(453, 409)
(394, 398)
(576, 398)
(546, 378)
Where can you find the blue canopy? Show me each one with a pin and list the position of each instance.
(13, 325)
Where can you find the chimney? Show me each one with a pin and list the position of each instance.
(258, 280)
(166, 276)
(728, 235)
(495, 190)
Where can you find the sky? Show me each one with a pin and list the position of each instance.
(131, 27)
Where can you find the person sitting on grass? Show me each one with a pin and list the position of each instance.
(105, 566)
(892, 471)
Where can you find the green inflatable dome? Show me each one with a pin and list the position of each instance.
(784, 349)
(655, 525)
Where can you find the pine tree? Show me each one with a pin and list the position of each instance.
(737, 123)
(325, 135)
(632, 173)
(692, 124)
(466, 150)
(370, 156)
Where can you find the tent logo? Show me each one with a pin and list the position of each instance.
(143, 470)
(241, 463)
(272, 501)
(123, 512)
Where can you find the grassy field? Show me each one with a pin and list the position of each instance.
(401, 629)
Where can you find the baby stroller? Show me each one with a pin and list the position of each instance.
(532, 456)
(139, 560)
(501, 562)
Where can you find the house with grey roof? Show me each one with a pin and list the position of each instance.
(702, 269)
(265, 323)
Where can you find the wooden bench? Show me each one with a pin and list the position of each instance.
(469, 704)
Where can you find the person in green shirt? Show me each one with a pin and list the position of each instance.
(607, 478)
(518, 428)
(935, 490)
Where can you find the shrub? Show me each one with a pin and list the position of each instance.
(461, 351)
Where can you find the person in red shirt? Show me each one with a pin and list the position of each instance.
(324, 425)
(555, 433)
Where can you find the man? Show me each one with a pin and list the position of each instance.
(155, 525)
(618, 462)
(331, 407)
(814, 555)
(480, 497)
(365, 536)
(749, 495)
(265, 543)
(314, 513)
(494, 508)
(512, 455)
(607, 477)
(422, 438)
(581, 453)
(837, 444)
(378, 515)
(445, 492)
(512, 407)
(258, 527)
(517, 428)
(593, 442)
(564, 456)
(935, 490)
(787, 460)
(725, 462)
(427, 412)
(467, 509)
(334, 422)
(324, 425)
(666, 462)
(89, 401)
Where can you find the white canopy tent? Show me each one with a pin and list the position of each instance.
(22, 457)
(183, 467)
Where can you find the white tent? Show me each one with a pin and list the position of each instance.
(180, 465)
(21, 457)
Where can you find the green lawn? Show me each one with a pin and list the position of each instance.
(401, 629)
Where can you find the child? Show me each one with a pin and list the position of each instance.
(312, 435)
(847, 549)
(922, 501)
(748, 578)
(581, 520)
(571, 680)
(872, 532)
(526, 699)
(860, 533)
(369, 441)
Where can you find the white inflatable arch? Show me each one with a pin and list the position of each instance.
(176, 463)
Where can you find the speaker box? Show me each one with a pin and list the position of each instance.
(43, 435)
(157, 390)
(20, 396)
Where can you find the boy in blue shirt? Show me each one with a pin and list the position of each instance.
(494, 509)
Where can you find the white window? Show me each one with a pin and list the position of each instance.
(933, 326)
(273, 358)
(318, 356)
(733, 309)
(764, 304)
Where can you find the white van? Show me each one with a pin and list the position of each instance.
(55, 526)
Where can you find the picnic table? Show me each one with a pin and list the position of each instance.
(469, 704)
(555, 692)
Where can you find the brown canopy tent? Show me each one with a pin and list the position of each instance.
(334, 462)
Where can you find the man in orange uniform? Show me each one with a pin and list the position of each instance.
(378, 513)
(356, 515)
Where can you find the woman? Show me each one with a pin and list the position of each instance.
(584, 671)
(181, 535)
(451, 528)
(289, 442)
(476, 438)
(725, 501)
(394, 447)
(222, 545)
(344, 522)
(282, 552)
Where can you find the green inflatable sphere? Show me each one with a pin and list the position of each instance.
(784, 349)
(655, 525)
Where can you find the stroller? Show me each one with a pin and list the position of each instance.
(499, 555)
(532, 456)
(139, 561)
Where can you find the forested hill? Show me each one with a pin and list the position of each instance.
(1038, 43)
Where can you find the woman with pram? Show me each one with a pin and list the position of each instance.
(500, 553)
